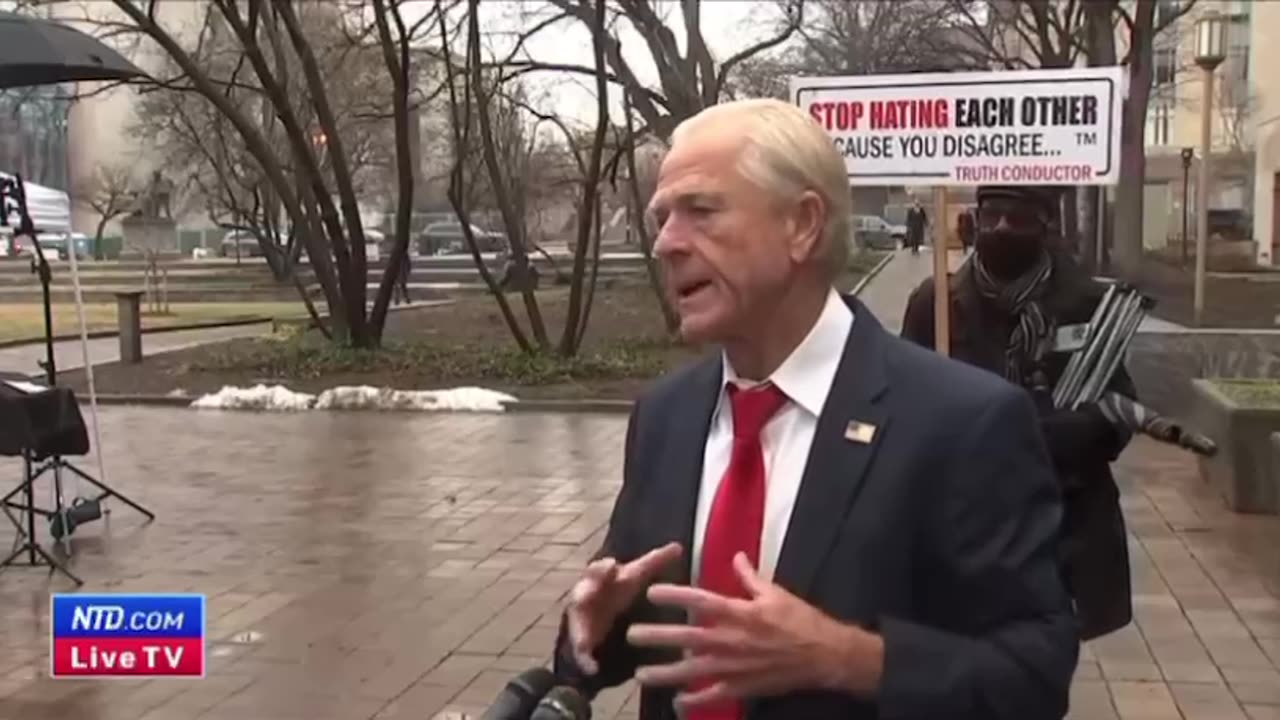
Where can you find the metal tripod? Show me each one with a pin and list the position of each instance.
(26, 542)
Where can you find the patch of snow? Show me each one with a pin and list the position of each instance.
(258, 397)
(365, 397)
(359, 397)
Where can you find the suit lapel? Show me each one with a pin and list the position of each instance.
(680, 467)
(841, 455)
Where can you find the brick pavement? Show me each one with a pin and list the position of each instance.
(402, 566)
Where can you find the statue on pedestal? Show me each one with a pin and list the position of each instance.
(156, 198)
(150, 228)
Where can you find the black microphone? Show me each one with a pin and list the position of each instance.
(563, 703)
(521, 695)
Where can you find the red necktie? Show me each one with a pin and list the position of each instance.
(737, 515)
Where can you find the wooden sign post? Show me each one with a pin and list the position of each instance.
(941, 280)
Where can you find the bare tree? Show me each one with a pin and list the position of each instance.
(689, 79)
(204, 147)
(763, 76)
(1140, 26)
(110, 192)
(477, 100)
(641, 183)
(319, 192)
(1052, 34)
(1020, 34)
(868, 37)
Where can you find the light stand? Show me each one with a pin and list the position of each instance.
(1210, 52)
(1187, 155)
(63, 520)
(13, 188)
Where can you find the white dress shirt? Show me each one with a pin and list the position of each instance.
(805, 377)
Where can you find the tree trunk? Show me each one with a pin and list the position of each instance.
(589, 219)
(1071, 216)
(669, 317)
(396, 56)
(255, 143)
(460, 112)
(1127, 252)
(352, 229)
(97, 238)
(1100, 39)
(1088, 246)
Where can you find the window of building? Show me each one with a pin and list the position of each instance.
(1238, 46)
(1159, 121)
(1166, 65)
(1167, 11)
(1237, 8)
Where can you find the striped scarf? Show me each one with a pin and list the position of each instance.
(1020, 299)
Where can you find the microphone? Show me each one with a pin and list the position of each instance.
(521, 695)
(563, 703)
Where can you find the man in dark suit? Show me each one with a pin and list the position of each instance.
(821, 520)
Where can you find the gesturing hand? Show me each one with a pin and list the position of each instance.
(606, 589)
(770, 643)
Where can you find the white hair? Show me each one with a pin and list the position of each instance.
(787, 153)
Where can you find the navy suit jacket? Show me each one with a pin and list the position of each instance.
(940, 534)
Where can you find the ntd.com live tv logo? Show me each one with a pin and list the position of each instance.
(128, 635)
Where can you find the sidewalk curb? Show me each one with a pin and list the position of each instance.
(570, 406)
(602, 406)
(279, 322)
(874, 272)
(213, 325)
(101, 334)
(147, 400)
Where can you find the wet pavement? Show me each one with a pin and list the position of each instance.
(394, 566)
(886, 294)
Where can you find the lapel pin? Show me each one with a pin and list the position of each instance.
(859, 432)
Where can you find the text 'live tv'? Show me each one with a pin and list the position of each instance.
(128, 635)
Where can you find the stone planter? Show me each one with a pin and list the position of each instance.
(1240, 416)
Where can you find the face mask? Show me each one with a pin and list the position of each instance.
(1007, 254)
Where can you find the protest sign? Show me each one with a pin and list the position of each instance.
(1016, 127)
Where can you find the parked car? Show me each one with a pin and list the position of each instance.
(445, 238)
(874, 232)
(54, 245)
(239, 244)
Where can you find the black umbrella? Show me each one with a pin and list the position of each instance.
(37, 51)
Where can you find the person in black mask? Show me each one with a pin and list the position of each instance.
(1007, 302)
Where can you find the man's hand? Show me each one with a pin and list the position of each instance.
(604, 592)
(1077, 438)
(768, 644)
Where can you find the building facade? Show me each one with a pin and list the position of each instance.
(1240, 205)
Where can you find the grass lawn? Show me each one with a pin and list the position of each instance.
(466, 342)
(26, 320)
(1249, 392)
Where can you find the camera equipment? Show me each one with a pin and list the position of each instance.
(562, 703)
(1091, 368)
(521, 695)
(44, 424)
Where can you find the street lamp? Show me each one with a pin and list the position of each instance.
(1210, 52)
(1187, 154)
